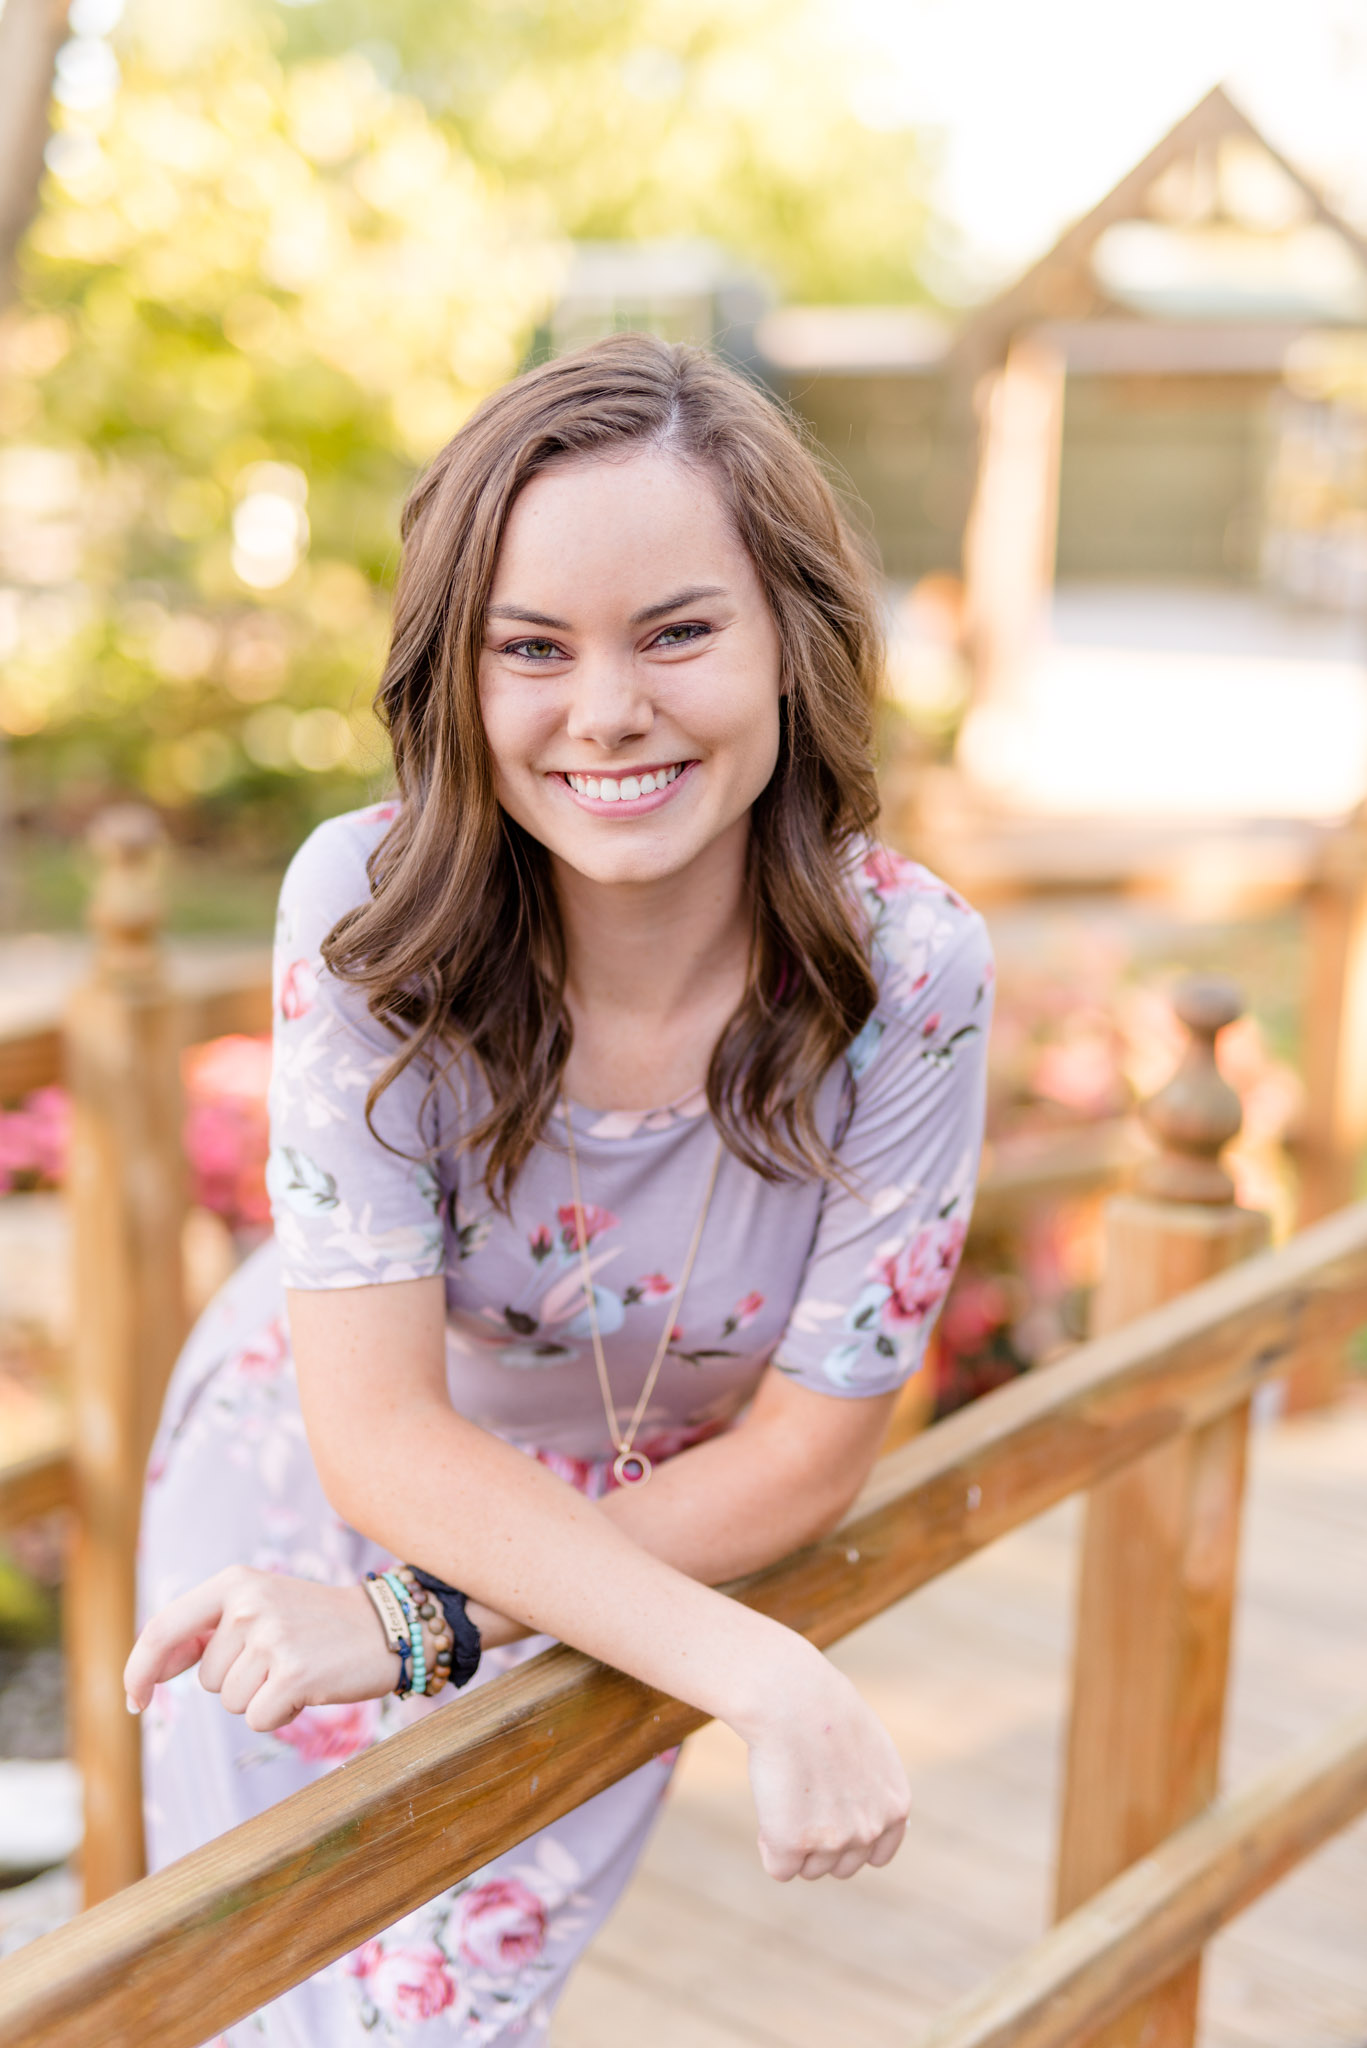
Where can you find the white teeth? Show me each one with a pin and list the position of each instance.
(625, 789)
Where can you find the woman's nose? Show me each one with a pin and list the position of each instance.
(609, 705)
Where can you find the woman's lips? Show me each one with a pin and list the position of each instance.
(626, 798)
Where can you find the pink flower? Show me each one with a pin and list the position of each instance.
(503, 1925)
(267, 1355)
(329, 1735)
(919, 1272)
(595, 1220)
(540, 1242)
(655, 1287)
(409, 1983)
(887, 871)
(34, 1137)
(298, 989)
(745, 1311)
(932, 1024)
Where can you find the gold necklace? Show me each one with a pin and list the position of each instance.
(630, 1467)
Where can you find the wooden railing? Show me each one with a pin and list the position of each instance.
(176, 1958)
(117, 1048)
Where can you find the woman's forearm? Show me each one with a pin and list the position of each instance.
(444, 1494)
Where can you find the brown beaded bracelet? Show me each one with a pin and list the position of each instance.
(437, 1637)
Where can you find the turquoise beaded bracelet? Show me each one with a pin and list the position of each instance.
(418, 1681)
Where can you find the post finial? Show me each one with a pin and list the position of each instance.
(126, 905)
(1197, 1113)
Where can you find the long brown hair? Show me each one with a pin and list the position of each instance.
(460, 948)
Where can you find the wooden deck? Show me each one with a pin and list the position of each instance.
(706, 1952)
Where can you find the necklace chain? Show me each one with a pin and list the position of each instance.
(623, 1441)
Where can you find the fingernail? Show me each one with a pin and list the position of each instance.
(131, 1703)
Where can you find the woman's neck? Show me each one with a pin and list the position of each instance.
(653, 972)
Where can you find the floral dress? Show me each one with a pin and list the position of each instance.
(835, 1285)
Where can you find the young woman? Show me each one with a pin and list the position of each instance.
(626, 1106)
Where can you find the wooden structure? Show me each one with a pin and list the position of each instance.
(118, 1051)
(1157, 1404)
(1165, 450)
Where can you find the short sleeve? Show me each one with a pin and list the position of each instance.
(348, 1210)
(887, 1244)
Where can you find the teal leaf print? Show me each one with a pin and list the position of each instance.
(302, 1182)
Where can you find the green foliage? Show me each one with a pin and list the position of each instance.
(275, 272)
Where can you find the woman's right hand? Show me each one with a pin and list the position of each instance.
(830, 1791)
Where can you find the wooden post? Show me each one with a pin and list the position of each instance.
(125, 1190)
(1012, 533)
(1334, 1029)
(1160, 1544)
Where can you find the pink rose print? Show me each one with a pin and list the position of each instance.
(298, 989)
(932, 1024)
(329, 1735)
(886, 871)
(266, 1355)
(745, 1310)
(919, 1273)
(655, 1287)
(503, 1925)
(595, 1221)
(413, 1982)
(540, 1242)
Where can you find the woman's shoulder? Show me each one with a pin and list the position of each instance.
(923, 935)
(329, 870)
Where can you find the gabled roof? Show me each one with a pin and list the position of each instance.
(1061, 286)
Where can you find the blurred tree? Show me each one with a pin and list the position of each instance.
(280, 255)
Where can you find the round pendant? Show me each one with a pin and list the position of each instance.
(631, 1468)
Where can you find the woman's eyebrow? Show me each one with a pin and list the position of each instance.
(526, 615)
(672, 604)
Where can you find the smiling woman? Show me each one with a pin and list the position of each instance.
(625, 1112)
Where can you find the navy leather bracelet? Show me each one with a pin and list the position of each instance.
(466, 1647)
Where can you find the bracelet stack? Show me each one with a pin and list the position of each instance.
(426, 1626)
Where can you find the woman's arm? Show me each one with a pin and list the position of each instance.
(398, 1463)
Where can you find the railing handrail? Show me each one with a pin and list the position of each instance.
(215, 997)
(183, 1954)
(1135, 1932)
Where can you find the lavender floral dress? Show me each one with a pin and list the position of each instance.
(836, 1286)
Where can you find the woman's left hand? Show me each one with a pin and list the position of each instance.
(267, 1645)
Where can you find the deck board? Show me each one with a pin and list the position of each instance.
(970, 1676)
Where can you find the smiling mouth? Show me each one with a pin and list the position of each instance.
(625, 789)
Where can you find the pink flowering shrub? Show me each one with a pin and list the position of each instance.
(226, 1132)
(33, 1141)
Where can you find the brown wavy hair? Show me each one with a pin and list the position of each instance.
(460, 948)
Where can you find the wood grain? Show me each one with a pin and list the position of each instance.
(1132, 1936)
(206, 1941)
(125, 1189)
(28, 1060)
(1155, 1604)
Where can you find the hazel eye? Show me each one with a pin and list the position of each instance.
(533, 650)
(680, 636)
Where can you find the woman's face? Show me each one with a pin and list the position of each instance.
(629, 679)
